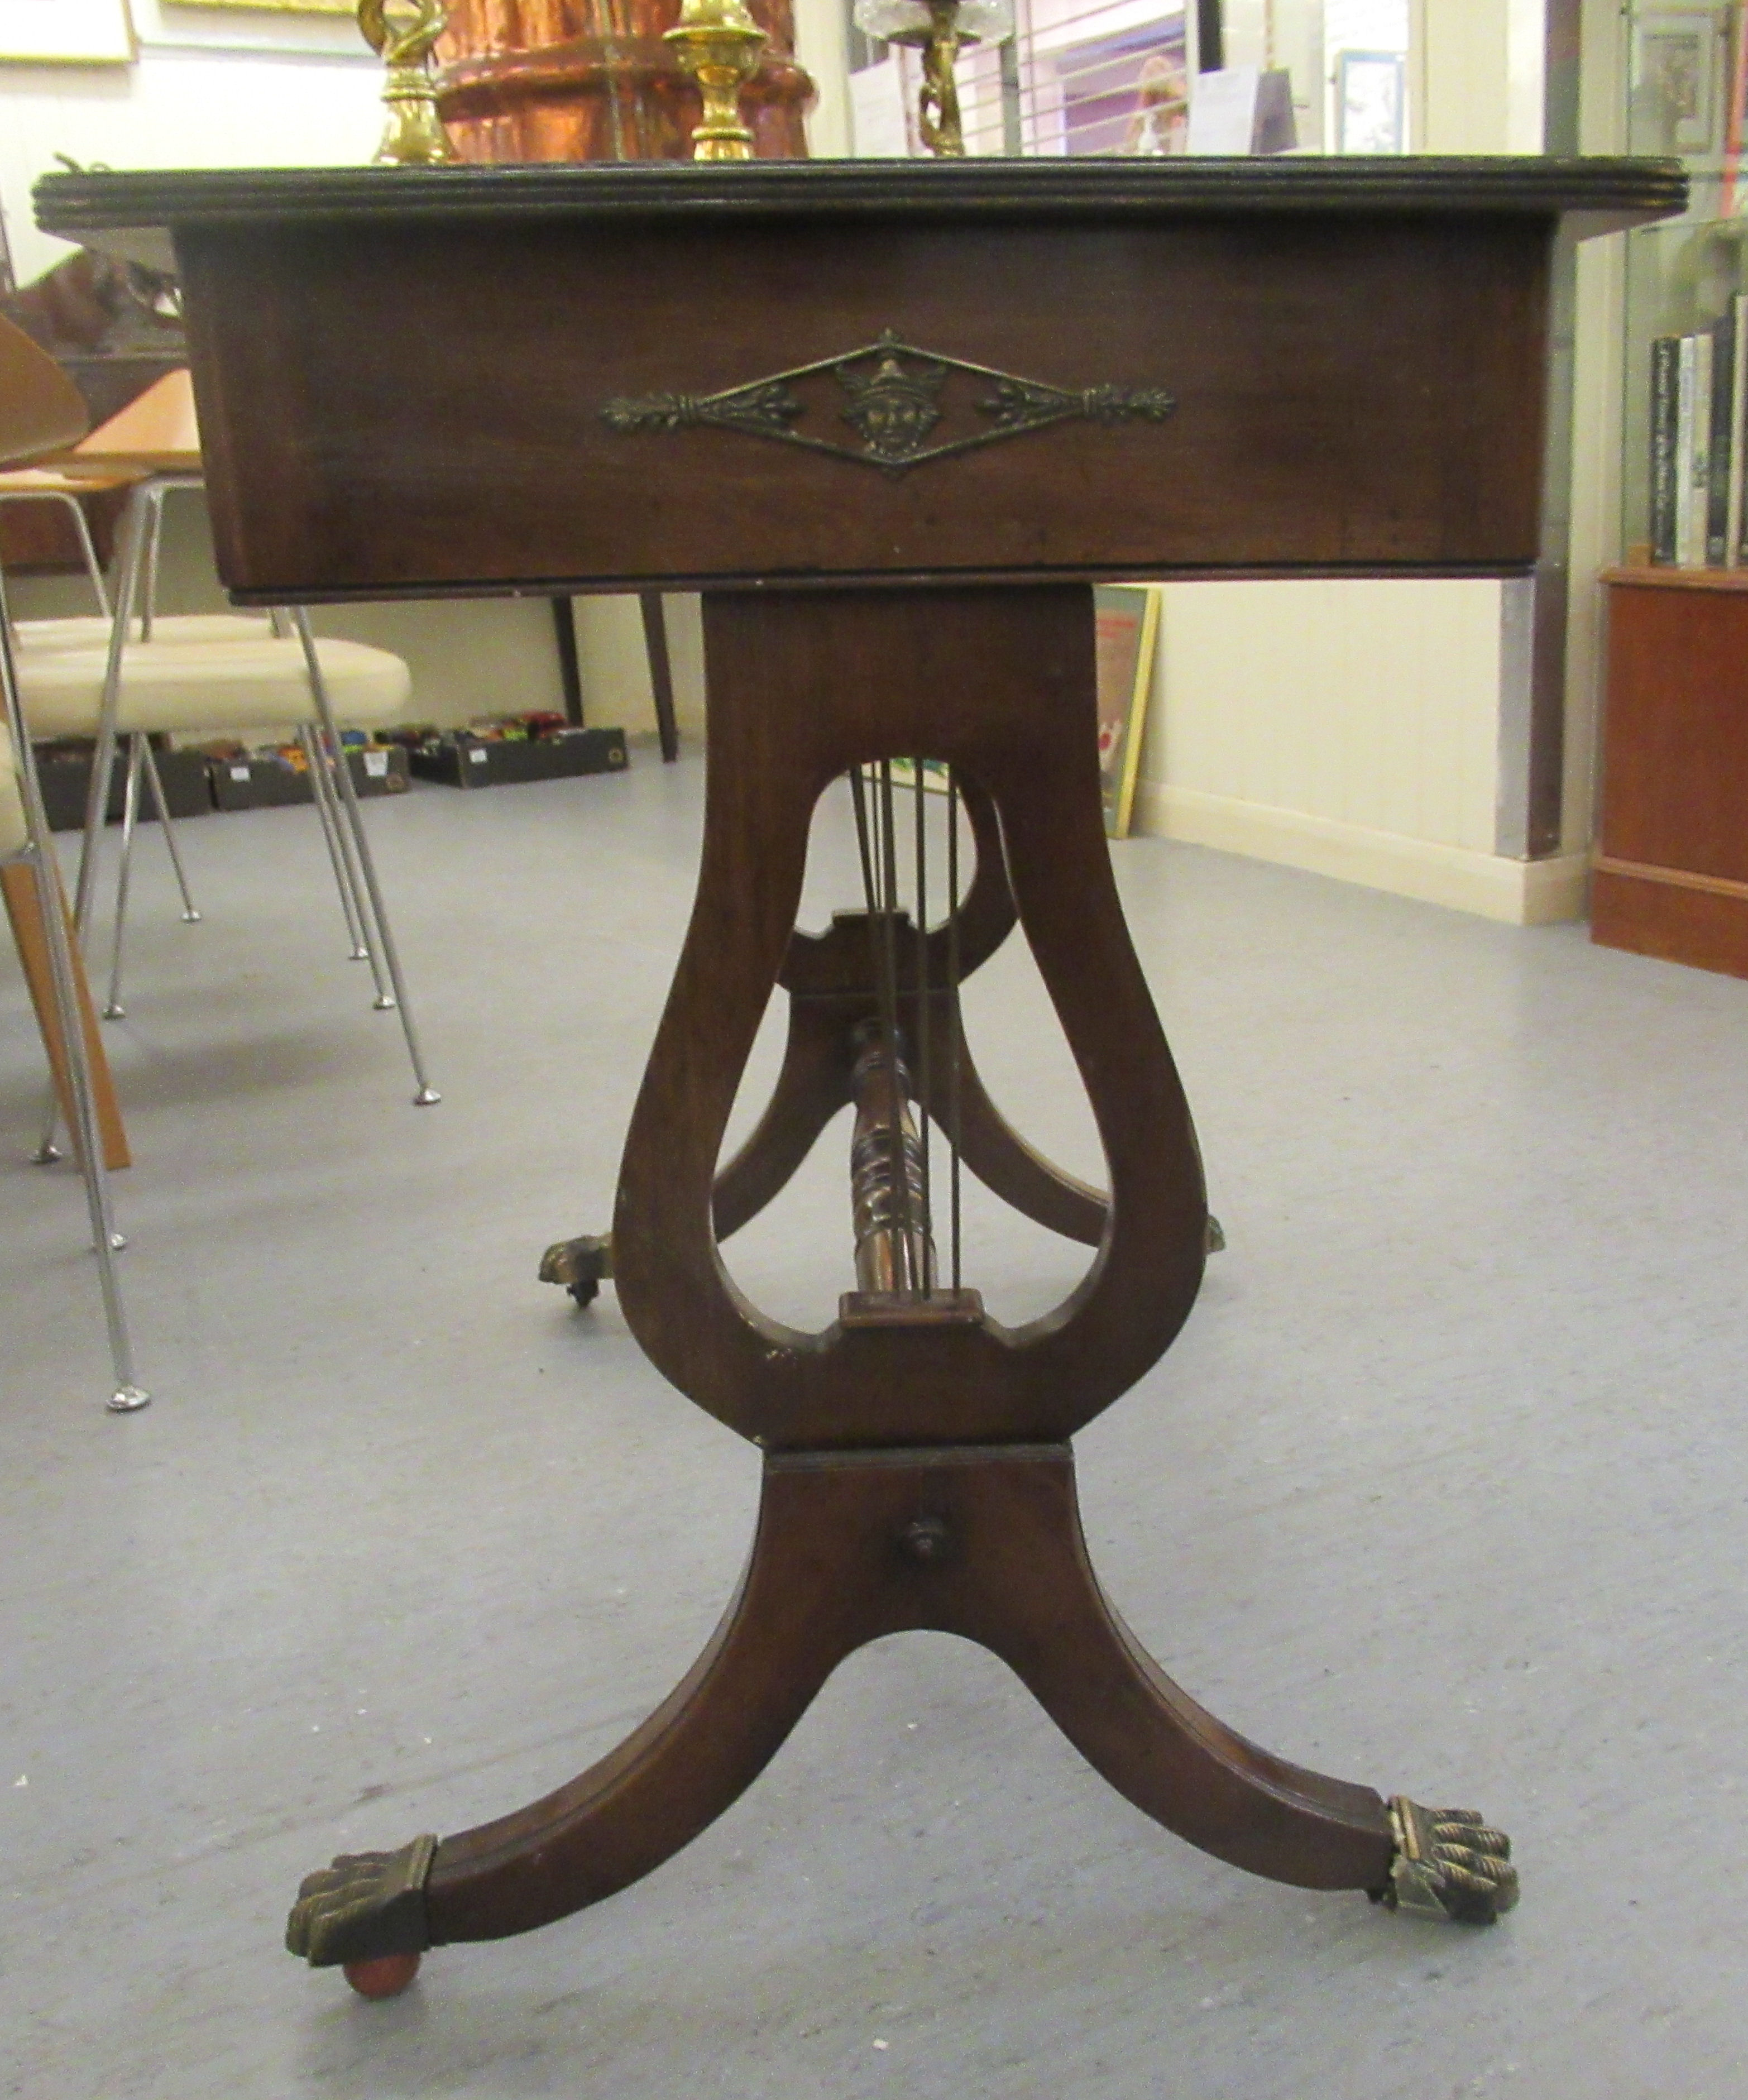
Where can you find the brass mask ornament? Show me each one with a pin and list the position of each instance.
(402, 34)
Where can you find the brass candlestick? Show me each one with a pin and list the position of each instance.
(939, 28)
(720, 45)
(401, 33)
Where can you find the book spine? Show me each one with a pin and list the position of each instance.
(1684, 371)
(1699, 514)
(1720, 477)
(1734, 528)
(1666, 391)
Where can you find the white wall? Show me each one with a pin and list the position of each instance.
(208, 96)
(302, 90)
(1353, 728)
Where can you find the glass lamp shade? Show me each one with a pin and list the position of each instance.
(914, 21)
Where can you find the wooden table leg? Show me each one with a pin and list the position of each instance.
(661, 672)
(983, 1542)
(570, 672)
(18, 882)
(866, 1526)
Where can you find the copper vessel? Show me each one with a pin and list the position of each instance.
(592, 79)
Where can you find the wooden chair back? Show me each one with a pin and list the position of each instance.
(40, 409)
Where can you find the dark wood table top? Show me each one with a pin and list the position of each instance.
(615, 376)
(1602, 194)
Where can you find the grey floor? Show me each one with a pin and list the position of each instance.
(1444, 1488)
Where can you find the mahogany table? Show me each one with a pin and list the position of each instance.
(893, 420)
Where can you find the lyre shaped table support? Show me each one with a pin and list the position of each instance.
(918, 1472)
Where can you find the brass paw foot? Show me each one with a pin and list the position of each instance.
(1449, 1865)
(367, 1905)
(581, 1265)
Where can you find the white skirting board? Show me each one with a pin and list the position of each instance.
(1521, 893)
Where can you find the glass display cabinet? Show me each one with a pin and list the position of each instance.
(1686, 80)
(1670, 877)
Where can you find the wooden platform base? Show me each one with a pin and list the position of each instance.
(1668, 913)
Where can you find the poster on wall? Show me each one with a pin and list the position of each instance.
(65, 33)
(1371, 97)
(1127, 628)
(1678, 81)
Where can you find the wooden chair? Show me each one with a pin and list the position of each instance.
(40, 412)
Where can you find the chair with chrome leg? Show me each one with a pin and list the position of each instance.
(140, 673)
(57, 486)
(37, 414)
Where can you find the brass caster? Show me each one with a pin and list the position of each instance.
(579, 1265)
(366, 1914)
(1449, 1866)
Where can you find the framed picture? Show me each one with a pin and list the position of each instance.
(267, 7)
(1678, 81)
(1126, 617)
(1370, 98)
(65, 33)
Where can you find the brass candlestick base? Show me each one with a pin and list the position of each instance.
(720, 45)
(401, 33)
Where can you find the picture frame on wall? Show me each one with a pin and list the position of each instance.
(1371, 102)
(1678, 90)
(1126, 621)
(65, 33)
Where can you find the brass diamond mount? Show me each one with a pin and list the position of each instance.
(896, 398)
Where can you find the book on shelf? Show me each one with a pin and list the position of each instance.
(1699, 410)
(1665, 389)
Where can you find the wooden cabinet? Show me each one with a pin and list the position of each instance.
(1671, 876)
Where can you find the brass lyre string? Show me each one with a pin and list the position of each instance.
(924, 1073)
(888, 974)
(859, 797)
(952, 1015)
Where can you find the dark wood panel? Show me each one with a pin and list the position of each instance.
(1675, 742)
(1706, 931)
(1353, 393)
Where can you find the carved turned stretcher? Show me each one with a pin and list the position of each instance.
(893, 420)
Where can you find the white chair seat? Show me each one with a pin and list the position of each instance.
(190, 685)
(12, 831)
(91, 630)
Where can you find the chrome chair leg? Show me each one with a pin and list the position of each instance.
(136, 533)
(383, 942)
(321, 787)
(127, 1395)
(191, 917)
(114, 1009)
